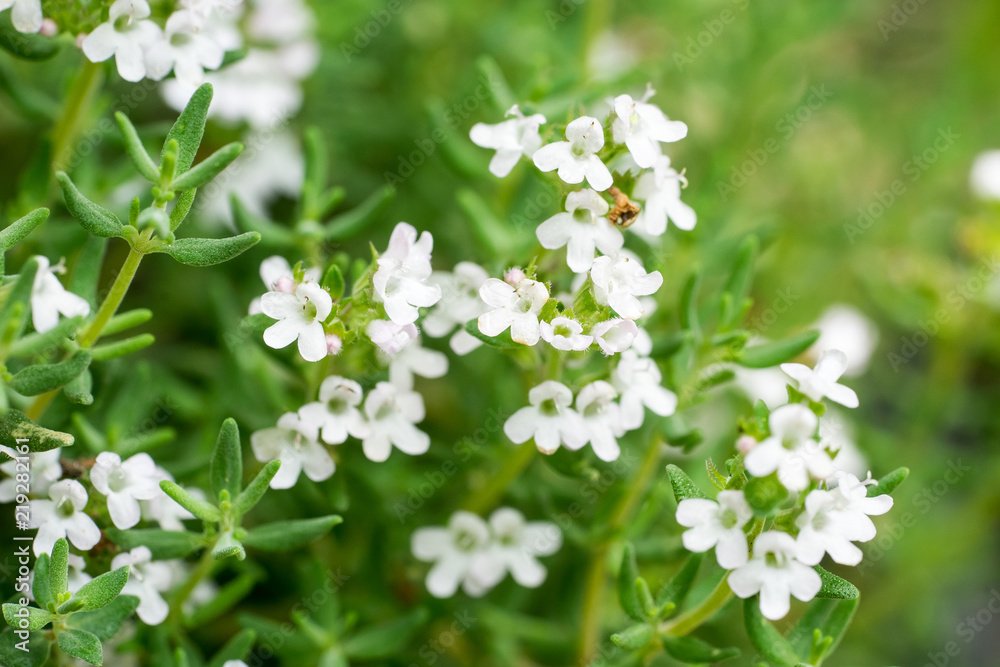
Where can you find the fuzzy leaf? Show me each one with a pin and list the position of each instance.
(81, 644)
(693, 650)
(34, 343)
(37, 654)
(256, 489)
(100, 590)
(31, 619)
(333, 281)
(14, 309)
(228, 546)
(41, 584)
(226, 469)
(834, 587)
(288, 535)
(105, 623)
(208, 168)
(179, 213)
(79, 389)
(190, 127)
(58, 568)
(163, 544)
(13, 233)
(42, 378)
(676, 590)
(683, 486)
(95, 219)
(15, 425)
(778, 352)
(888, 483)
(200, 508)
(633, 638)
(136, 151)
(627, 576)
(764, 637)
(127, 320)
(207, 252)
(120, 348)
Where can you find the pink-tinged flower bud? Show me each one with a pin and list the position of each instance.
(49, 28)
(334, 344)
(745, 443)
(285, 284)
(514, 275)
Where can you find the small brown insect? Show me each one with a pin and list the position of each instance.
(624, 211)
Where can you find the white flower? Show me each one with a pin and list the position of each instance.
(614, 335)
(564, 333)
(26, 16)
(125, 483)
(389, 336)
(660, 190)
(460, 557)
(836, 435)
(851, 496)
(460, 303)
(392, 413)
(127, 35)
(185, 49)
(717, 523)
(517, 543)
(513, 307)
(638, 379)
(44, 469)
(642, 126)
(822, 380)
(162, 509)
(415, 359)
(602, 417)
(846, 328)
(775, 574)
(549, 419)
(147, 581)
(985, 176)
(619, 280)
(791, 449)
(336, 414)
(582, 228)
(575, 159)
(293, 442)
(823, 528)
(403, 269)
(63, 516)
(300, 316)
(511, 139)
(49, 298)
(279, 276)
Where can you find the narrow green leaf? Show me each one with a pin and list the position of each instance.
(490, 231)
(13, 233)
(235, 649)
(58, 568)
(693, 650)
(36, 342)
(256, 489)
(86, 275)
(633, 638)
(764, 637)
(683, 486)
(346, 225)
(333, 281)
(888, 483)
(627, 576)
(125, 321)
(200, 508)
(836, 588)
(100, 590)
(207, 252)
(31, 619)
(208, 168)
(121, 348)
(163, 544)
(271, 234)
(105, 623)
(837, 622)
(225, 599)
(136, 151)
(226, 468)
(15, 425)
(41, 584)
(179, 213)
(81, 644)
(675, 591)
(42, 378)
(228, 546)
(777, 352)
(385, 640)
(190, 127)
(95, 219)
(689, 305)
(13, 312)
(288, 535)
(499, 88)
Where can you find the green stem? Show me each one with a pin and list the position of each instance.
(202, 570)
(691, 620)
(78, 99)
(113, 300)
(487, 498)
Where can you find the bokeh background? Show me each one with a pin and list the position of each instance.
(840, 133)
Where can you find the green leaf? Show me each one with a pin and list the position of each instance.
(121, 348)
(347, 225)
(235, 649)
(738, 284)
(627, 576)
(15, 425)
(100, 590)
(226, 470)
(888, 483)
(179, 213)
(31, 619)
(155, 218)
(501, 342)
(228, 546)
(633, 638)
(41, 584)
(683, 486)
(58, 568)
(225, 598)
(13, 312)
(208, 168)
(288, 535)
(189, 128)
(207, 252)
(834, 587)
(128, 320)
(13, 233)
(693, 650)
(81, 644)
(689, 305)
(34, 343)
(42, 378)
(37, 654)
(764, 494)
(200, 508)
(777, 352)
(136, 151)
(105, 623)
(256, 489)
(79, 389)
(333, 281)
(764, 637)
(163, 544)
(95, 219)
(271, 234)
(676, 590)
(385, 640)
(30, 46)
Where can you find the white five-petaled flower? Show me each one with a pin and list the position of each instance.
(516, 308)
(336, 414)
(619, 280)
(415, 359)
(564, 333)
(822, 380)
(293, 442)
(582, 228)
(717, 523)
(614, 335)
(125, 483)
(49, 299)
(660, 192)
(43, 469)
(460, 303)
(127, 35)
(576, 158)
(186, 49)
(641, 126)
(791, 449)
(392, 413)
(510, 139)
(638, 379)
(26, 15)
(147, 580)
(63, 516)
(602, 417)
(460, 556)
(775, 573)
(389, 336)
(401, 282)
(300, 317)
(279, 276)
(517, 543)
(549, 419)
